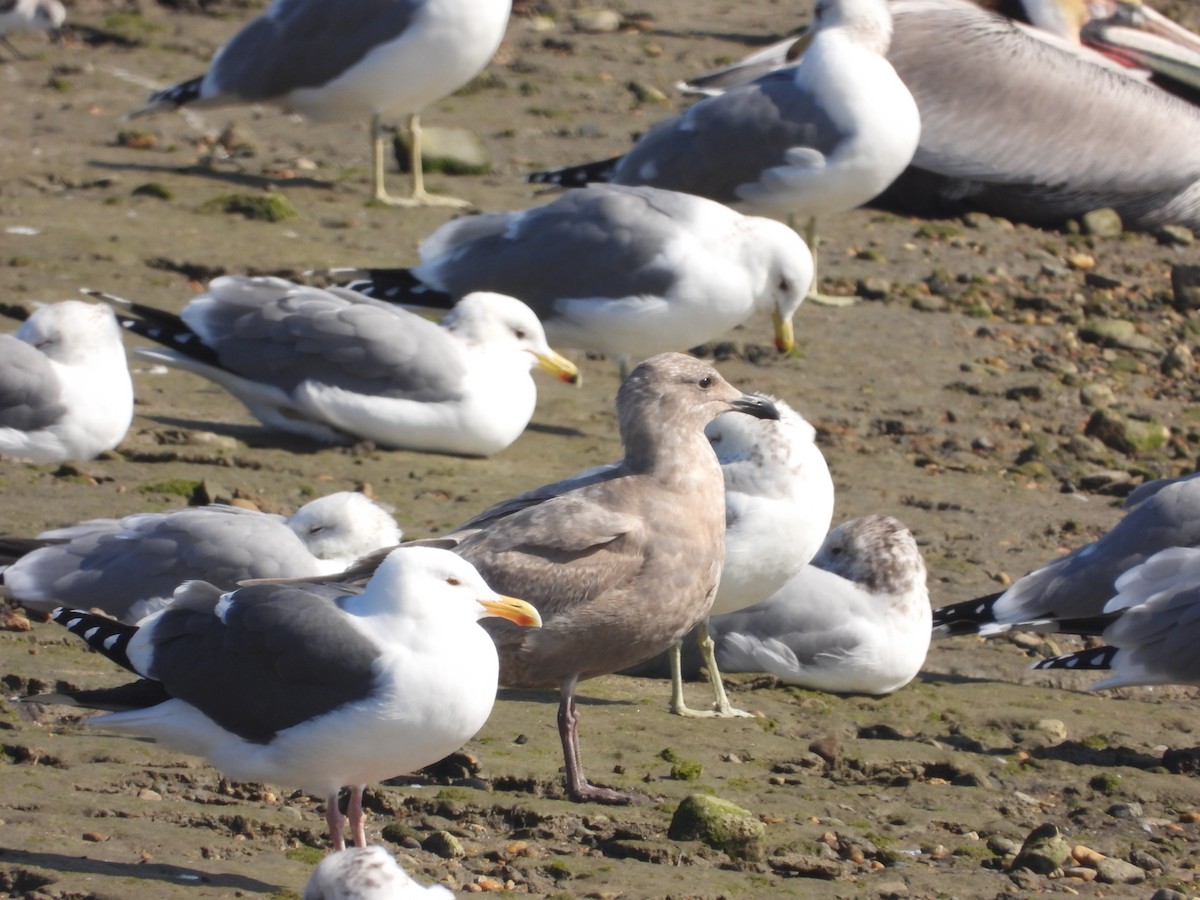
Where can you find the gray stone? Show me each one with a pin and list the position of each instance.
(1185, 286)
(1116, 871)
(1103, 222)
(1178, 361)
(1098, 396)
(596, 21)
(1117, 333)
(720, 824)
(1175, 235)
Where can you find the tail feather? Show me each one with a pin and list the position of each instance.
(102, 634)
(397, 286)
(158, 325)
(577, 176)
(1096, 658)
(966, 617)
(175, 96)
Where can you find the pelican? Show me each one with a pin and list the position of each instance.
(1025, 123)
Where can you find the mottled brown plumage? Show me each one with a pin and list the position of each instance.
(620, 562)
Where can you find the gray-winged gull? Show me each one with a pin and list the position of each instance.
(622, 561)
(820, 137)
(854, 620)
(65, 391)
(1152, 627)
(333, 364)
(367, 873)
(339, 59)
(778, 505)
(626, 271)
(314, 685)
(1077, 586)
(130, 567)
(29, 15)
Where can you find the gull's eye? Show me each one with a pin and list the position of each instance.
(453, 581)
(520, 333)
(705, 382)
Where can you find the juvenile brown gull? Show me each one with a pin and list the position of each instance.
(130, 567)
(334, 364)
(622, 561)
(314, 685)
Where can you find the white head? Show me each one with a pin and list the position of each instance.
(868, 22)
(498, 323)
(428, 585)
(35, 15)
(74, 333)
(367, 873)
(877, 552)
(787, 275)
(344, 526)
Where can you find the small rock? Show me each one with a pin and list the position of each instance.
(873, 288)
(1117, 871)
(646, 93)
(94, 837)
(829, 748)
(1044, 851)
(1185, 287)
(444, 844)
(1002, 846)
(1178, 361)
(596, 21)
(720, 824)
(1103, 222)
(1097, 396)
(1126, 436)
(1130, 810)
(1117, 333)
(13, 620)
(147, 794)
(1175, 235)
(1168, 894)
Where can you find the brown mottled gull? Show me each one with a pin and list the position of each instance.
(622, 562)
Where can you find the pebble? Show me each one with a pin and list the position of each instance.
(1117, 871)
(596, 21)
(444, 844)
(1175, 235)
(1104, 222)
(1185, 287)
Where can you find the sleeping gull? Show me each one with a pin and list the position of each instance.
(367, 873)
(855, 620)
(1077, 585)
(625, 271)
(130, 567)
(820, 137)
(65, 391)
(29, 15)
(778, 505)
(621, 562)
(1151, 627)
(314, 685)
(338, 59)
(333, 364)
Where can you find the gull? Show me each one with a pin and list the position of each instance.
(820, 137)
(624, 271)
(1002, 126)
(331, 365)
(29, 15)
(622, 561)
(1077, 585)
(130, 567)
(314, 685)
(854, 620)
(778, 506)
(338, 59)
(367, 873)
(65, 390)
(1149, 626)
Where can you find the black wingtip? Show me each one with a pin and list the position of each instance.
(577, 176)
(102, 634)
(1097, 658)
(401, 287)
(966, 617)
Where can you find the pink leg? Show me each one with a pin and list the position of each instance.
(354, 812)
(333, 817)
(578, 788)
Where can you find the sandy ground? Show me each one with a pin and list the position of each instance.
(955, 402)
